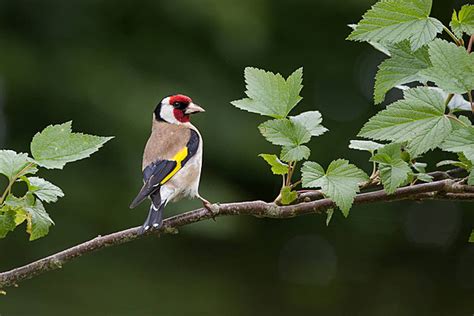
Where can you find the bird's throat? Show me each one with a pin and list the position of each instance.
(180, 116)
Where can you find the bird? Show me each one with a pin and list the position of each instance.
(172, 159)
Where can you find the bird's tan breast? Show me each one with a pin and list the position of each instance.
(165, 141)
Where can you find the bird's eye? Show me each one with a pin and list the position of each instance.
(179, 105)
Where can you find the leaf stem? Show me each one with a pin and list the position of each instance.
(13, 180)
(469, 46)
(294, 185)
(469, 95)
(469, 50)
(454, 118)
(458, 41)
(291, 166)
(374, 170)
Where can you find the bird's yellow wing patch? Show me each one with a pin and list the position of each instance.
(179, 157)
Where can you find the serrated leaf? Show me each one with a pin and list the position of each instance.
(460, 140)
(340, 182)
(288, 196)
(294, 85)
(380, 47)
(403, 67)
(38, 220)
(278, 167)
(295, 153)
(418, 119)
(394, 175)
(56, 145)
(470, 179)
(270, 94)
(7, 221)
(284, 132)
(456, 104)
(14, 164)
(311, 120)
(365, 145)
(393, 21)
(44, 190)
(394, 171)
(452, 67)
(464, 21)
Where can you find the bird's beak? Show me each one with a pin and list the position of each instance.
(193, 108)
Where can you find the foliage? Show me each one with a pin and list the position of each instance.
(340, 181)
(53, 148)
(463, 22)
(431, 115)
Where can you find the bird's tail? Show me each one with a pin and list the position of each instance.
(155, 215)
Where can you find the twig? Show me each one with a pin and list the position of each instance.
(447, 189)
(469, 46)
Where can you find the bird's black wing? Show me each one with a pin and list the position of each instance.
(161, 171)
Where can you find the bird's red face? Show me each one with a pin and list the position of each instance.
(176, 109)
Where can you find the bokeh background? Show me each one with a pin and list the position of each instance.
(105, 65)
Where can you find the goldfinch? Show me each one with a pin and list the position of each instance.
(172, 158)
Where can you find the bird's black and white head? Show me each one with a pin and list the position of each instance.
(176, 109)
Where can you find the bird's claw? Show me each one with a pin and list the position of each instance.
(213, 209)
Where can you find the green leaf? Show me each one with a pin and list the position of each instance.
(285, 132)
(394, 171)
(424, 177)
(14, 165)
(44, 190)
(365, 145)
(421, 175)
(7, 221)
(471, 238)
(340, 182)
(464, 21)
(457, 103)
(419, 167)
(270, 94)
(393, 21)
(418, 119)
(460, 141)
(380, 47)
(453, 67)
(38, 220)
(311, 120)
(294, 85)
(294, 153)
(288, 196)
(56, 145)
(470, 179)
(462, 163)
(450, 163)
(403, 67)
(468, 163)
(278, 167)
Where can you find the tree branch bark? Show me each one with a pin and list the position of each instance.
(311, 203)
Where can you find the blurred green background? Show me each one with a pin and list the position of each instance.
(105, 65)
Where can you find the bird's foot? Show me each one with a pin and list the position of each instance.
(213, 209)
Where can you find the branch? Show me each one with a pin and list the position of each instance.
(444, 189)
